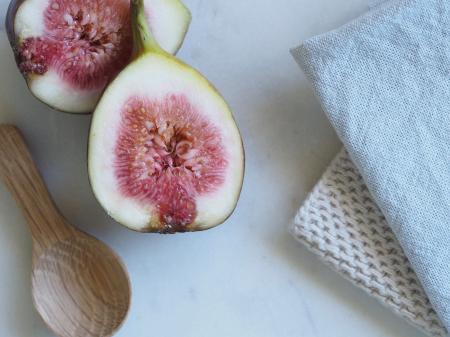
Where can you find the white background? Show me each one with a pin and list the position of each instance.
(247, 278)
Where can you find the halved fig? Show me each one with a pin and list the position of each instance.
(165, 154)
(69, 50)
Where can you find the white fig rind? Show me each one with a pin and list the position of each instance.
(161, 15)
(52, 90)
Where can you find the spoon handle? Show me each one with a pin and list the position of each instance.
(18, 171)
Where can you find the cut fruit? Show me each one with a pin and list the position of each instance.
(165, 154)
(168, 21)
(69, 50)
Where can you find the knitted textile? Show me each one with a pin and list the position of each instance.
(341, 223)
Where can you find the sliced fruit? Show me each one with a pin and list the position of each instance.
(168, 21)
(69, 50)
(165, 154)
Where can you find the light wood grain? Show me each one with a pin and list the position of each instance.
(80, 286)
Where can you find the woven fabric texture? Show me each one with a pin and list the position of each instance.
(383, 82)
(341, 223)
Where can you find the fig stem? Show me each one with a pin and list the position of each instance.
(144, 41)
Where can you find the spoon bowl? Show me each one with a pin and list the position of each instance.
(80, 286)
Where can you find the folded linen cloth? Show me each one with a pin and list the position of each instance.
(341, 224)
(384, 83)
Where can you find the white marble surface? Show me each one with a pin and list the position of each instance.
(248, 277)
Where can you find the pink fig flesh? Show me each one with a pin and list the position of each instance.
(86, 42)
(168, 154)
(69, 50)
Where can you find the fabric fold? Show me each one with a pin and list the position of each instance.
(384, 82)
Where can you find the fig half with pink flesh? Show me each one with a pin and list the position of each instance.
(69, 50)
(165, 154)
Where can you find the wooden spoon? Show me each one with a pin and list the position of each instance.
(80, 286)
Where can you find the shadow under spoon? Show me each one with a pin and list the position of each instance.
(80, 286)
